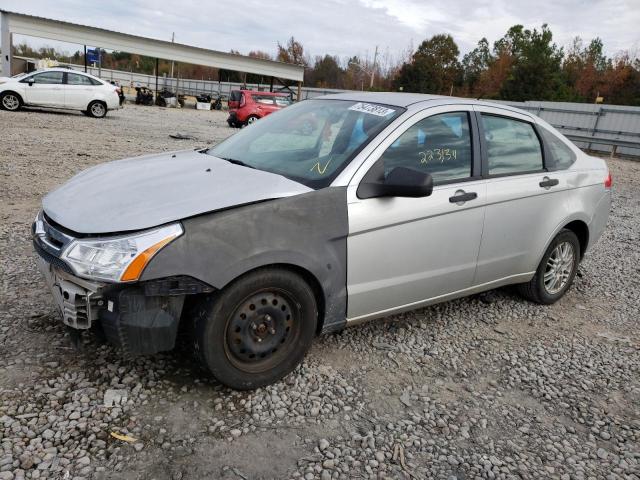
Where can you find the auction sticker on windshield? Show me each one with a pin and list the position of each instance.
(378, 110)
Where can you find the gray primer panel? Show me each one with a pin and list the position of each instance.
(308, 230)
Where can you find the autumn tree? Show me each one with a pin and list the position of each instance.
(292, 52)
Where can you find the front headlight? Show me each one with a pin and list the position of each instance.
(118, 259)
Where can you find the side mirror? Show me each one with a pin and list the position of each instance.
(30, 82)
(401, 182)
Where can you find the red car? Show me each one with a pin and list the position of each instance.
(247, 106)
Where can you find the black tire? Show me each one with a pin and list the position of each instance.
(11, 101)
(536, 290)
(257, 329)
(97, 109)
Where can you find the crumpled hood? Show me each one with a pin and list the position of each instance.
(142, 192)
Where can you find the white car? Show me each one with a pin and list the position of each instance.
(59, 88)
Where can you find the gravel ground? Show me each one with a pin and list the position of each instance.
(484, 387)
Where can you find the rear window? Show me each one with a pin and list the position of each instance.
(235, 96)
(264, 99)
(76, 79)
(562, 154)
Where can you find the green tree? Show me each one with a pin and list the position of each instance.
(434, 67)
(475, 63)
(326, 73)
(535, 72)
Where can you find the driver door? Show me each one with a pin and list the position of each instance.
(404, 252)
(46, 89)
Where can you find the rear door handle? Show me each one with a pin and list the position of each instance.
(461, 196)
(549, 182)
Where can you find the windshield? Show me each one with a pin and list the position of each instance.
(309, 142)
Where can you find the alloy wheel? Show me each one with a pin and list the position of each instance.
(97, 109)
(10, 102)
(559, 268)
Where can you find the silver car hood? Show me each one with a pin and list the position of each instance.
(142, 192)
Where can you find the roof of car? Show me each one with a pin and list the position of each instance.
(402, 99)
(64, 69)
(258, 92)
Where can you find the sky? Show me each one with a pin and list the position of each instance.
(343, 27)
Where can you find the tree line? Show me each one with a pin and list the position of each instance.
(525, 64)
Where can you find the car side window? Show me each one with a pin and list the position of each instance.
(54, 78)
(76, 79)
(562, 154)
(512, 146)
(439, 145)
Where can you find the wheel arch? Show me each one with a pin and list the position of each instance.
(579, 225)
(97, 100)
(4, 92)
(581, 229)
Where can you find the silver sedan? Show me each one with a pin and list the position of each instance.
(328, 213)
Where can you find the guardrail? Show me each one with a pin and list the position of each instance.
(613, 142)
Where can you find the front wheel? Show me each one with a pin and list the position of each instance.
(97, 109)
(556, 270)
(256, 330)
(10, 101)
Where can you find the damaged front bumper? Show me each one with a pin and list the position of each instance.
(139, 318)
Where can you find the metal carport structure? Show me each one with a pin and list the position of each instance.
(18, 23)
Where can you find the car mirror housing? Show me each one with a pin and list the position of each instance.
(400, 182)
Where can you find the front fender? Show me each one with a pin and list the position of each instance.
(308, 231)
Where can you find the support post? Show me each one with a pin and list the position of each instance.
(5, 45)
(85, 59)
(299, 92)
(157, 65)
(271, 85)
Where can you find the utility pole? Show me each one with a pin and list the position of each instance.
(173, 38)
(373, 68)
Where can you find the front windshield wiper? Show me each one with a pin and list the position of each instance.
(237, 162)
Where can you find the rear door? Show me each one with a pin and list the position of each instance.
(79, 91)
(402, 252)
(526, 196)
(47, 89)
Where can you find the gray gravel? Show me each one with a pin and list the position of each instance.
(485, 387)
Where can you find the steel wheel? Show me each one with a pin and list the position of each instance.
(10, 101)
(98, 109)
(262, 330)
(559, 268)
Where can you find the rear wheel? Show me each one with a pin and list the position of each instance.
(556, 270)
(252, 119)
(97, 109)
(10, 101)
(257, 330)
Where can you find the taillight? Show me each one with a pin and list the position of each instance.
(608, 181)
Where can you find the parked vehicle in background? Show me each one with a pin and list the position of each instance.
(248, 106)
(144, 96)
(59, 88)
(337, 210)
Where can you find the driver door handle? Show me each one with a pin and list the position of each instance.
(461, 196)
(549, 182)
